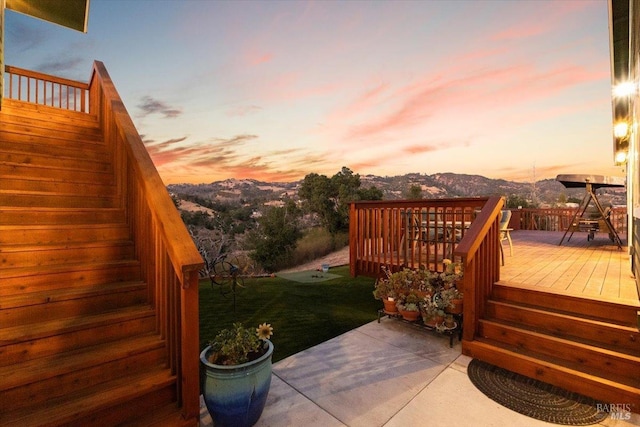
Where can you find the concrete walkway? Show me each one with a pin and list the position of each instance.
(384, 374)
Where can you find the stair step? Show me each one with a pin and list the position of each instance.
(607, 363)
(55, 200)
(105, 328)
(110, 403)
(24, 280)
(58, 254)
(55, 188)
(99, 163)
(14, 147)
(78, 363)
(35, 382)
(46, 173)
(625, 338)
(597, 309)
(73, 233)
(67, 325)
(554, 372)
(42, 128)
(54, 117)
(12, 107)
(56, 215)
(50, 304)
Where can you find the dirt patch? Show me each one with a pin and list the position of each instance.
(194, 207)
(334, 259)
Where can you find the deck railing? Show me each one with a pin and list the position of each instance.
(44, 89)
(479, 250)
(170, 259)
(559, 219)
(421, 233)
(410, 233)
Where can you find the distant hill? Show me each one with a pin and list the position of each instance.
(439, 185)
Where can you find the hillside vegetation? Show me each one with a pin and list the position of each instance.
(268, 226)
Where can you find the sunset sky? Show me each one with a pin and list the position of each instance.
(274, 90)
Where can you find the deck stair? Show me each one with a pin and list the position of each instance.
(78, 337)
(584, 345)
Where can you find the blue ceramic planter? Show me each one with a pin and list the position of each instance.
(235, 395)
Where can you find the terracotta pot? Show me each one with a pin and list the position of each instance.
(411, 316)
(429, 321)
(389, 306)
(449, 322)
(457, 307)
(422, 294)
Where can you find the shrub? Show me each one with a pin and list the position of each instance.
(316, 243)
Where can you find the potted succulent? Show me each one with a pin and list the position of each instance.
(238, 374)
(407, 280)
(449, 321)
(384, 291)
(453, 299)
(408, 306)
(452, 274)
(432, 310)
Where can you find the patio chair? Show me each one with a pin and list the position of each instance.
(425, 228)
(505, 216)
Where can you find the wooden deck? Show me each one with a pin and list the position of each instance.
(593, 269)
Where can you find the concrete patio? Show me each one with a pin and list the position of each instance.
(384, 374)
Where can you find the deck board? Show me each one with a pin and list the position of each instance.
(579, 267)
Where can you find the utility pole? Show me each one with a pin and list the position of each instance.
(534, 191)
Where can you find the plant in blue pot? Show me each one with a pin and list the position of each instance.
(238, 374)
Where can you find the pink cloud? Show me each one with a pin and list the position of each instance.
(259, 59)
(419, 149)
(243, 110)
(492, 91)
(220, 158)
(362, 103)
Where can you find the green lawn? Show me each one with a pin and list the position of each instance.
(302, 314)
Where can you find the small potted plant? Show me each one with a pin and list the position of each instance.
(408, 306)
(238, 374)
(384, 291)
(407, 280)
(452, 274)
(454, 300)
(449, 282)
(449, 321)
(432, 311)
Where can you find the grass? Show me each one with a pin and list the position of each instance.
(302, 314)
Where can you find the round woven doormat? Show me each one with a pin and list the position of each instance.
(534, 398)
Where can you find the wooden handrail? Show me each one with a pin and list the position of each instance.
(167, 253)
(479, 250)
(479, 228)
(44, 89)
(184, 255)
(409, 233)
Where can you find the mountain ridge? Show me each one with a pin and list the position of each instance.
(438, 185)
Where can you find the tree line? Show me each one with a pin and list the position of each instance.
(270, 234)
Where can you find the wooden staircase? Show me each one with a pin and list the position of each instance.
(587, 346)
(79, 341)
